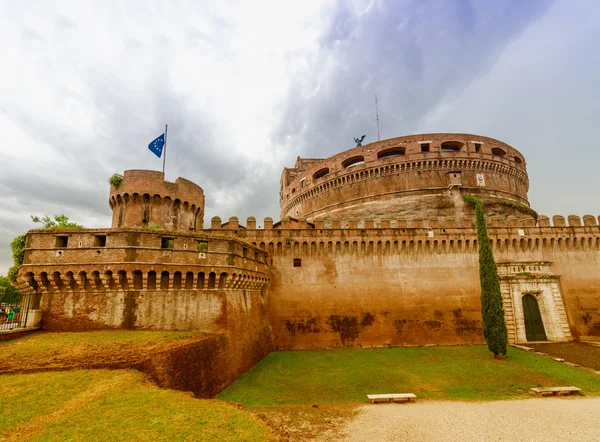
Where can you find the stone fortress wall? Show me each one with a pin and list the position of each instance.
(420, 284)
(336, 278)
(416, 176)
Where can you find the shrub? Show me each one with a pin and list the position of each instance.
(115, 180)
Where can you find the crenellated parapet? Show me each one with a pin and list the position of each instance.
(132, 260)
(143, 198)
(509, 236)
(411, 176)
(446, 222)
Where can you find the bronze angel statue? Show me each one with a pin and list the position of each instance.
(359, 141)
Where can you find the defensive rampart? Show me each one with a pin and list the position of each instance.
(157, 280)
(417, 177)
(372, 284)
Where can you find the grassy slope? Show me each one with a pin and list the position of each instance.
(347, 376)
(104, 405)
(56, 344)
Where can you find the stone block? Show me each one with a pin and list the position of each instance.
(543, 221)
(574, 221)
(589, 220)
(215, 222)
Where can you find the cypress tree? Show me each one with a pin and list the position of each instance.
(494, 326)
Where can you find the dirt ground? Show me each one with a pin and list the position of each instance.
(586, 355)
(568, 419)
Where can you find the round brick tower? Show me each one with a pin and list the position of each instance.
(415, 177)
(143, 197)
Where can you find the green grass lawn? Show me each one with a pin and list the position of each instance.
(347, 376)
(103, 405)
(47, 344)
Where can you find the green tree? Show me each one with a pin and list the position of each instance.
(8, 294)
(17, 245)
(58, 222)
(492, 312)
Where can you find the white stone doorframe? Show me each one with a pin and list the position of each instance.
(518, 279)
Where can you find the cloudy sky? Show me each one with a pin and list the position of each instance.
(247, 86)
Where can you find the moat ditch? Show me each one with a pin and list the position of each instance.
(194, 364)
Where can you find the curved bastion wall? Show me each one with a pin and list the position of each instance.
(415, 177)
(144, 197)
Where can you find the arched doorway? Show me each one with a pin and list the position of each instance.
(534, 327)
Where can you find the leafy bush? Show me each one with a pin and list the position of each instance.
(115, 180)
(8, 294)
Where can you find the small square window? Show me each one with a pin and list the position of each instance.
(167, 243)
(100, 241)
(62, 241)
(425, 147)
(297, 262)
(477, 147)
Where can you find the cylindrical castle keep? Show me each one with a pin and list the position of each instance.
(143, 197)
(414, 177)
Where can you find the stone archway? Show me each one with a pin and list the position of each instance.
(536, 280)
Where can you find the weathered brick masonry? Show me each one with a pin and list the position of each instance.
(375, 247)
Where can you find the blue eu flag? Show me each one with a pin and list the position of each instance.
(157, 145)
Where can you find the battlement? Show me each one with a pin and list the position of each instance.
(140, 259)
(143, 198)
(289, 223)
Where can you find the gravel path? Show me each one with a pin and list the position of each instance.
(548, 419)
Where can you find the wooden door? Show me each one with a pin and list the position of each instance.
(534, 327)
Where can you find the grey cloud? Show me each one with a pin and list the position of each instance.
(414, 55)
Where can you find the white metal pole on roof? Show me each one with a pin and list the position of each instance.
(377, 115)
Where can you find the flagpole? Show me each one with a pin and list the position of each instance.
(165, 157)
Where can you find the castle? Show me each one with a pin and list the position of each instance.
(375, 247)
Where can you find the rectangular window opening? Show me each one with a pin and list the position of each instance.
(62, 241)
(425, 147)
(297, 262)
(202, 246)
(100, 241)
(245, 252)
(166, 243)
(477, 147)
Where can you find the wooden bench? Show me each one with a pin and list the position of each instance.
(395, 397)
(559, 391)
